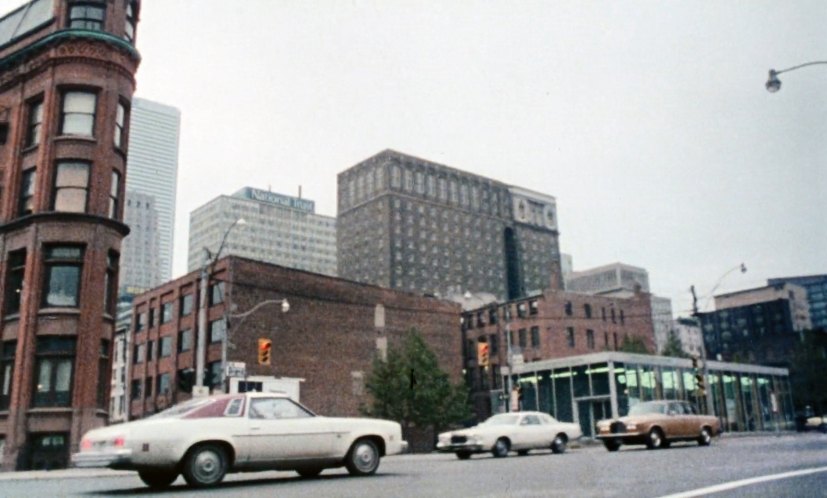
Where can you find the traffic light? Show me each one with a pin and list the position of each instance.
(482, 354)
(264, 348)
(699, 376)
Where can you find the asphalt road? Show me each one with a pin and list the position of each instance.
(770, 465)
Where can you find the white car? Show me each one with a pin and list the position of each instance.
(515, 431)
(205, 438)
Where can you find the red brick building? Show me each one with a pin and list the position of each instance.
(66, 80)
(329, 337)
(554, 324)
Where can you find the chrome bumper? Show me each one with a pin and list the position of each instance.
(87, 459)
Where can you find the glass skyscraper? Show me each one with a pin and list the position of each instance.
(151, 182)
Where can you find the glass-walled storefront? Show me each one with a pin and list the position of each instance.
(605, 385)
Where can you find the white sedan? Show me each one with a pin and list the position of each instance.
(515, 431)
(205, 438)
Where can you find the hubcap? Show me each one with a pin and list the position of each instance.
(655, 439)
(207, 466)
(365, 457)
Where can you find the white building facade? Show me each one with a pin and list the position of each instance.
(277, 229)
(688, 332)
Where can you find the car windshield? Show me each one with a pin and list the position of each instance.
(647, 408)
(183, 408)
(501, 419)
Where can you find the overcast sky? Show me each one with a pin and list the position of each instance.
(648, 121)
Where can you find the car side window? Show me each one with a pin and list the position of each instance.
(234, 408)
(674, 409)
(530, 420)
(276, 409)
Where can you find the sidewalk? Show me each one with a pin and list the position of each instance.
(23, 475)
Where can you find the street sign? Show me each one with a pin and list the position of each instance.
(236, 369)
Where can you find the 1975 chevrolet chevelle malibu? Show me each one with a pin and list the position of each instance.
(205, 438)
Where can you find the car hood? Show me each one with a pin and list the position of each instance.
(636, 419)
(477, 429)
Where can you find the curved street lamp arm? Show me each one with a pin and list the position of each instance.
(813, 63)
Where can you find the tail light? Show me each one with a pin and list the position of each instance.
(85, 444)
(119, 442)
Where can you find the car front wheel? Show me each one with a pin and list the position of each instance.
(205, 465)
(158, 479)
(501, 447)
(705, 438)
(654, 440)
(611, 444)
(363, 458)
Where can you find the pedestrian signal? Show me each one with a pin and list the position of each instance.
(264, 349)
(482, 354)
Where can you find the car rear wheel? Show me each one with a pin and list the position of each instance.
(205, 465)
(463, 455)
(158, 479)
(363, 458)
(705, 438)
(501, 448)
(611, 444)
(559, 444)
(654, 440)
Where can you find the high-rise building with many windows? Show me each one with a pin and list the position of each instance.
(277, 229)
(150, 195)
(411, 224)
(66, 83)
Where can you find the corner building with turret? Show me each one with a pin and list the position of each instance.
(66, 82)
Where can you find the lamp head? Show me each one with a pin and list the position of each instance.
(285, 306)
(773, 83)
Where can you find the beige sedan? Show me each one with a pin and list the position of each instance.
(514, 431)
(657, 424)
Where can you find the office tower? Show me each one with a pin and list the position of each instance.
(411, 224)
(277, 229)
(153, 174)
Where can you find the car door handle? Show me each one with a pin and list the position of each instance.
(255, 428)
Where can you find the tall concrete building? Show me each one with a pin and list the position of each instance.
(816, 286)
(66, 83)
(411, 224)
(622, 280)
(761, 325)
(277, 229)
(616, 279)
(141, 264)
(150, 195)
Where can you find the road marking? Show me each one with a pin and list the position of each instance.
(744, 482)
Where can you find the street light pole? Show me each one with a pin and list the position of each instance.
(508, 356)
(773, 84)
(697, 314)
(201, 349)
